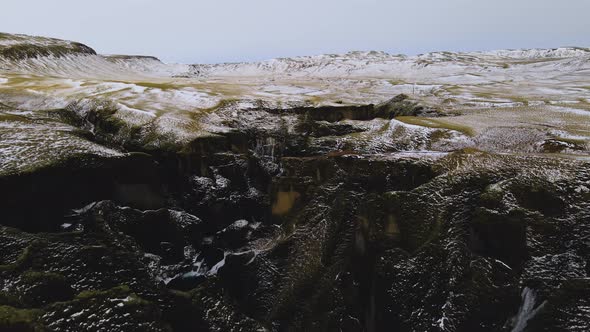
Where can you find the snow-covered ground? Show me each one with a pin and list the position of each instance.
(495, 92)
(445, 79)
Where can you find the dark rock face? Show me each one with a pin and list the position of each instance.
(267, 228)
(400, 105)
(24, 47)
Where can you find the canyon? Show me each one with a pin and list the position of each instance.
(355, 192)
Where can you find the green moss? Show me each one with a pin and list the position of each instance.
(13, 117)
(119, 290)
(439, 135)
(436, 123)
(449, 101)
(7, 299)
(518, 99)
(26, 51)
(533, 61)
(21, 320)
(135, 300)
(41, 288)
(36, 276)
(493, 195)
(485, 95)
(454, 89)
(24, 257)
(5, 107)
(396, 82)
(383, 129)
(160, 85)
(66, 116)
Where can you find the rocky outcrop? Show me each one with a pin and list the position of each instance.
(257, 230)
(21, 47)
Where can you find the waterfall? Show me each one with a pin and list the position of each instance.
(526, 311)
(266, 147)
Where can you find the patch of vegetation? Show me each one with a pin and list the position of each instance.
(24, 257)
(436, 123)
(439, 135)
(485, 95)
(522, 100)
(453, 89)
(107, 127)
(575, 141)
(130, 57)
(562, 144)
(13, 117)
(402, 105)
(36, 276)
(88, 294)
(160, 85)
(5, 107)
(109, 308)
(41, 288)
(449, 101)
(534, 61)
(396, 82)
(8, 299)
(27, 51)
(20, 320)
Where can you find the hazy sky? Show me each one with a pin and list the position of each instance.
(236, 30)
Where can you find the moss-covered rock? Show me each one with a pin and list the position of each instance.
(37, 289)
(20, 320)
(26, 50)
(116, 309)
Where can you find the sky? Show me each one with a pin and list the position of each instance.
(214, 31)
